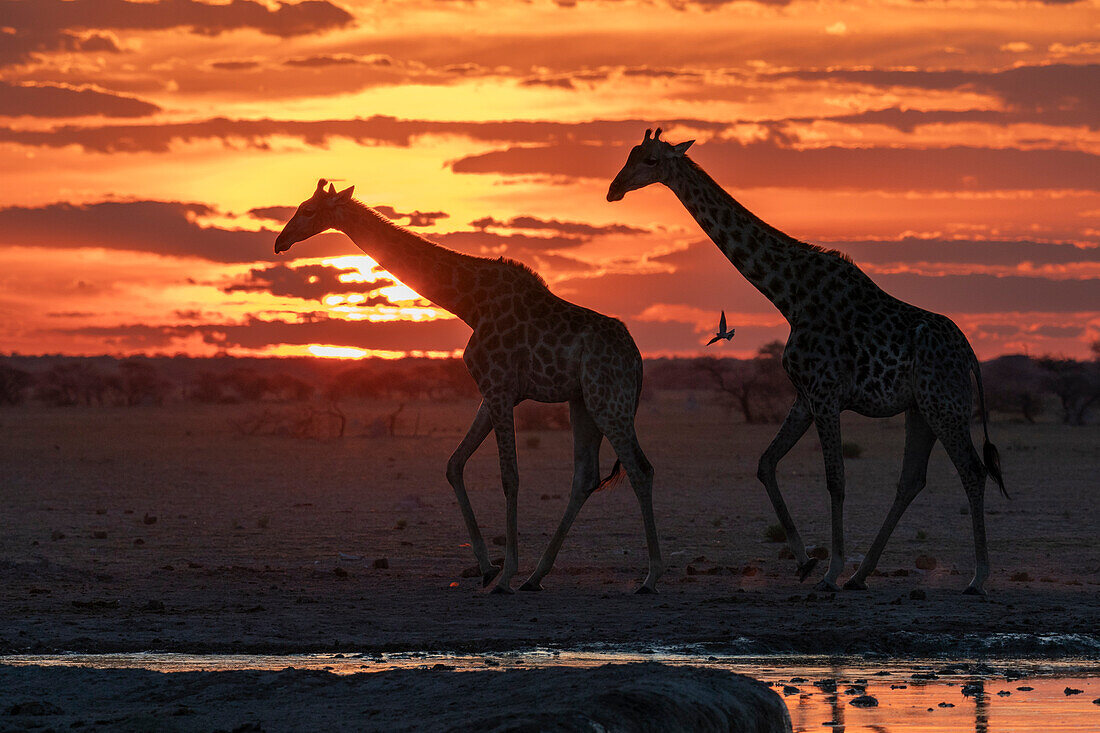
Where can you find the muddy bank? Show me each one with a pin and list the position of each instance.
(623, 697)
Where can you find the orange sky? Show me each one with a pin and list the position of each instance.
(150, 150)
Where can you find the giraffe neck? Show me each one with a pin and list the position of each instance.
(443, 276)
(769, 259)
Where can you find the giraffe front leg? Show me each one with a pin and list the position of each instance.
(505, 429)
(828, 430)
(794, 427)
(475, 436)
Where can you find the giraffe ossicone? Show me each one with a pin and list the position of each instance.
(527, 343)
(852, 346)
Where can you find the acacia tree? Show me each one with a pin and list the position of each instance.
(14, 384)
(757, 387)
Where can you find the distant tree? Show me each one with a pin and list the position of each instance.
(14, 384)
(288, 388)
(1014, 384)
(74, 383)
(1076, 383)
(757, 387)
(139, 383)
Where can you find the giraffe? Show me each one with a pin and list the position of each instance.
(852, 346)
(527, 344)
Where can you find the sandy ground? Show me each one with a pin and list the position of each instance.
(127, 529)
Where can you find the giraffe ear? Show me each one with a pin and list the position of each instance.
(345, 195)
(331, 189)
(682, 147)
(321, 184)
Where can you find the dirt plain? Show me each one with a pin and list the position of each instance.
(129, 529)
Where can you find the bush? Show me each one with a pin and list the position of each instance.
(775, 533)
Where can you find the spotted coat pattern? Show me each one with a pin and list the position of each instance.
(527, 343)
(852, 346)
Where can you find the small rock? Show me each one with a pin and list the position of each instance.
(790, 690)
(139, 542)
(500, 540)
(382, 563)
(899, 573)
(340, 572)
(149, 519)
(1072, 691)
(1003, 693)
(973, 689)
(1096, 701)
(1020, 577)
(57, 535)
(864, 701)
(917, 595)
(99, 534)
(544, 497)
(947, 705)
(925, 562)
(153, 606)
(826, 685)
(1025, 688)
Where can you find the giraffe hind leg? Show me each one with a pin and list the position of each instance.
(586, 477)
(919, 440)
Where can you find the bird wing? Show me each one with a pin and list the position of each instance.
(716, 338)
(722, 323)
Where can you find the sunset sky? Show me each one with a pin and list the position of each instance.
(152, 150)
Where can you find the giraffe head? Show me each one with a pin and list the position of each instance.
(313, 216)
(649, 162)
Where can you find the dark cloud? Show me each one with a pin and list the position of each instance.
(21, 45)
(323, 60)
(701, 276)
(415, 218)
(570, 228)
(980, 252)
(1055, 94)
(54, 100)
(378, 129)
(485, 243)
(161, 227)
(309, 282)
(256, 333)
(283, 19)
(280, 214)
(234, 65)
(769, 164)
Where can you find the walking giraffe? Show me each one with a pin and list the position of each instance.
(851, 347)
(527, 344)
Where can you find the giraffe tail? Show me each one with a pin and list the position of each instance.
(990, 456)
(614, 478)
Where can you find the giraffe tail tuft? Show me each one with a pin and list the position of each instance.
(614, 478)
(992, 460)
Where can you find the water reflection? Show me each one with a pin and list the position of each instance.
(928, 696)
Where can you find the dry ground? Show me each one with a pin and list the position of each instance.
(245, 550)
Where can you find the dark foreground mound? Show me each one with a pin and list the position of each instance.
(634, 697)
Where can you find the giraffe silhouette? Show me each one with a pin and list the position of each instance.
(527, 343)
(852, 346)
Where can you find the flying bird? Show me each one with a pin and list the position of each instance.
(722, 332)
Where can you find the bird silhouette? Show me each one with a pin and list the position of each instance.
(722, 332)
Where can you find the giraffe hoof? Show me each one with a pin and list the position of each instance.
(826, 586)
(487, 578)
(805, 568)
(854, 584)
(646, 590)
(531, 586)
(502, 590)
(973, 591)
